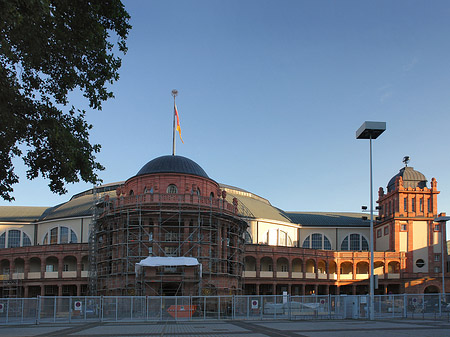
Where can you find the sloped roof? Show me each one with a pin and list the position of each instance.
(21, 213)
(259, 207)
(328, 219)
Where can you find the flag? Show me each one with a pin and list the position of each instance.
(178, 122)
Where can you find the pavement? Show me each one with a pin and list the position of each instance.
(317, 328)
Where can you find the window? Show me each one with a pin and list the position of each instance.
(49, 268)
(66, 267)
(386, 230)
(437, 228)
(379, 233)
(172, 189)
(150, 251)
(60, 234)
(170, 251)
(284, 268)
(405, 204)
(355, 242)
(14, 238)
(277, 237)
(420, 263)
(437, 269)
(421, 205)
(413, 205)
(437, 257)
(317, 241)
(403, 227)
(429, 205)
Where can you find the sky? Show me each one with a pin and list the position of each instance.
(271, 94)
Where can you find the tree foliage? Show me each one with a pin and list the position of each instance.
(49, 48)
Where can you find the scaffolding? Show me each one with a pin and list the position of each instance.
(127, 230)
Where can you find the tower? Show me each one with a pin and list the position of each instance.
(406, 214)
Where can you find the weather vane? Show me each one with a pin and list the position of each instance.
(406, 160)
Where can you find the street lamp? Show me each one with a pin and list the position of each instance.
(371, 130)
(442, 221)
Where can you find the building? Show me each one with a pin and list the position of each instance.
(172, 230)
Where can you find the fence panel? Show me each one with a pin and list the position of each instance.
(51, 309)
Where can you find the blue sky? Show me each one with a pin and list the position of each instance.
(271, 94)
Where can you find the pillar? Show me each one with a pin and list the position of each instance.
(257, 289)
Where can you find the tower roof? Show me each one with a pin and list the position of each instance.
(411, 178)
(172, 164)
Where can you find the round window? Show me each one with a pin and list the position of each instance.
(420, 263)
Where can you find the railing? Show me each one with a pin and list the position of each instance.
(252, 307)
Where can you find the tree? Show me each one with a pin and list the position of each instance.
(49, 48)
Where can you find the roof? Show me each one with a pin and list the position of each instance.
(328, 219)
(258, 207)
(172, 164)
(21, 213)
(411, 178)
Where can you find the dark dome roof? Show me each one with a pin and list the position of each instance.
(172, 164)
(411, 178)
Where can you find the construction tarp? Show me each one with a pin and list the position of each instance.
(159, 261)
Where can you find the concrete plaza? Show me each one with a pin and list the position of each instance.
(335, 328)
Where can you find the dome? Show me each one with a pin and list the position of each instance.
(411, 178)
(172, 164)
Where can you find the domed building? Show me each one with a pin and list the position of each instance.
(172, 230)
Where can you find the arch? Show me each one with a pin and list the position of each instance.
(378, 267)
(394, 267)
(317, 241)
(19, 265)
(131, 193)
(346, 268)
(172, 189)
(69, 263)
(248, 238)
(297, 265)
(266, 264)
(282, 264)
(332, 267)
(321, 267)
(250, 263)
(362, 267)
(432, 289)
(85, 263)
(51, 264)
(310, 266)
(5, 267)
(355, 242)
(35, 265)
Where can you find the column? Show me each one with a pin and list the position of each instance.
(303, 289)
(257, 289)
(274, 288)
(78, 289)
(79, 267)
(59, 289)
(60, 267)
(353, 289)
(26, 269)
(25, 291)
(42, 268)
(316, 288)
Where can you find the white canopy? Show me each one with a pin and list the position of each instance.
(159, 261)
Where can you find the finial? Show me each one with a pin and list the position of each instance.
(174, 93)
(406, 160)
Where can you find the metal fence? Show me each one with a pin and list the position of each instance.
(283, 307)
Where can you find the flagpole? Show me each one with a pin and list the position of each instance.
(174, 94)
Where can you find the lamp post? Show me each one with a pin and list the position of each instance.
(371, 130)
(442, 220)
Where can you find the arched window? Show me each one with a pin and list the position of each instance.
(248, 237)
(355, 242)
(14, 238)
(317, 241)
(211, 195)
(172, 189)
(60, 234)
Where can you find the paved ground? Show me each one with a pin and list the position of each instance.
(347, 328)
